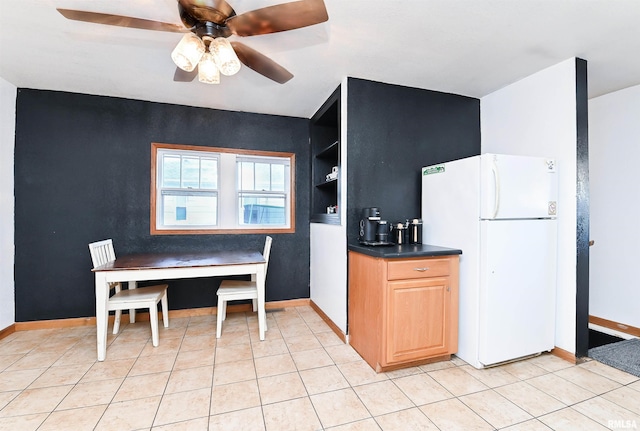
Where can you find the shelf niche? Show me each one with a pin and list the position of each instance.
(325, 151)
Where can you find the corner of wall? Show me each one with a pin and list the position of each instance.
(8, 94)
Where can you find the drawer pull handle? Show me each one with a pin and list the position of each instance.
(423, 269)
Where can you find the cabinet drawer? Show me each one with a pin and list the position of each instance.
(417, 268)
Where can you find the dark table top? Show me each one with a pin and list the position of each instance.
(182, 260)
(403, 251)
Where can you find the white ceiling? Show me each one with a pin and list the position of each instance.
(468, 47)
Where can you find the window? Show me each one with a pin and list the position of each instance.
(188, 189)
(261, 191)
(220, 190)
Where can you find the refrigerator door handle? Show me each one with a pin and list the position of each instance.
(496, 178)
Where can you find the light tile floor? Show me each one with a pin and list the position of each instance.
(302, 377)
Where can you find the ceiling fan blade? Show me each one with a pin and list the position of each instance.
(216, 11)
(181, 76)
(121, 21)
(282, 17)
(261, 63)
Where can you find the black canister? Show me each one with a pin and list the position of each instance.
(400, 233)
(415, 231)
(382, 233)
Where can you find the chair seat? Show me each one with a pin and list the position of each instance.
(231, 289)
(141, 295)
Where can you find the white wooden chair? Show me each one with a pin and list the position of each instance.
(141, 297)
(234, 290)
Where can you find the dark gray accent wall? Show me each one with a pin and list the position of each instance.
(582, 204)
(82, 174)
(393, 131)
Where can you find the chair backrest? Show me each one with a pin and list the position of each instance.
(266, 253)
(102, 252)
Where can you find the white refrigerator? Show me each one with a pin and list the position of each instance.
(500, 210)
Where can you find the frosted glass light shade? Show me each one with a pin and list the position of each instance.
(225, 57)
(188, 52)
(207, 70)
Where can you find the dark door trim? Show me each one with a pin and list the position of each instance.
(582, 222)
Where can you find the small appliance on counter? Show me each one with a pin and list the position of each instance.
(373, 230)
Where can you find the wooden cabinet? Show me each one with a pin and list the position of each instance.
(325, 155)
(403, 311)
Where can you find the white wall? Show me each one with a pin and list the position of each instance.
(8, 94)
(614, 153)
(537, 117)
(328, 272)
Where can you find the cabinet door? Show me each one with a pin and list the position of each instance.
(417, 317)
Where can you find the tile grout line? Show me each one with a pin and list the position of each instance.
(526, 380)
(315, 410)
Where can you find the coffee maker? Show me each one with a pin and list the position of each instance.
(369, 224)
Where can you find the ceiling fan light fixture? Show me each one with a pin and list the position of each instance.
(188, 52)
(208, 72)
(224, 56)
(205, 20)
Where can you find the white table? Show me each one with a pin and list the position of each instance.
(145, 267)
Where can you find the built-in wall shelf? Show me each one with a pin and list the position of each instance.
(325, 150)
(325, 218)
(330, 152)
(330, 183)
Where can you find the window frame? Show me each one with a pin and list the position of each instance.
(154, 230)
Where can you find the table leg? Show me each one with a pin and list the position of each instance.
(102, 314)
(132, 311)
(262, 316)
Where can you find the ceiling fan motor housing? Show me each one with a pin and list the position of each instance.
(211, 29)
(202, 27)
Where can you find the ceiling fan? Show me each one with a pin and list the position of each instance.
(204, 49)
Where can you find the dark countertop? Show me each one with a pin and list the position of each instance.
(403, 251)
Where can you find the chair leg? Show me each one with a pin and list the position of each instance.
(255, 304)
(153, 315)
(224, 310)
(116, 322)
(165, 310)
(221, 303)
(132, 311)
(262, 323)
